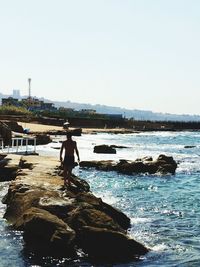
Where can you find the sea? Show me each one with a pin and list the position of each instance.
(164, 209)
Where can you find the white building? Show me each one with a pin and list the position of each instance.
(16, 93)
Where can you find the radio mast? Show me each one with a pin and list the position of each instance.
(29, 88)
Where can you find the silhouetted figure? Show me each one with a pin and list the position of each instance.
(70, 147)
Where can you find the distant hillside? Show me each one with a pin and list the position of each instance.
(128, 113)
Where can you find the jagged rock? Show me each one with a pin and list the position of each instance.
(45, 232)
(163, 164)
(104, 165)
(104, 149)
(81, 185)
(119, 217)
(19, 200)
(88, 216)
(103, 245)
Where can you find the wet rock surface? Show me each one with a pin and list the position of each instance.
(59, 221)
(163, 165)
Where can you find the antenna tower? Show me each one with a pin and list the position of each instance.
(29, 88)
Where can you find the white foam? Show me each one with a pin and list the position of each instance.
(139, 220)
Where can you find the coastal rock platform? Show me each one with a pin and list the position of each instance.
(60, 221)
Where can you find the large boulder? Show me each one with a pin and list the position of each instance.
(43, 139)
(88, 216)
(22, 197)
(103, 245)
(46, 233)
(118, 216)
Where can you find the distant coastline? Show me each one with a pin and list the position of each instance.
(128, 113)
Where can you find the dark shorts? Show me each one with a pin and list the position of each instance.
(69, 161)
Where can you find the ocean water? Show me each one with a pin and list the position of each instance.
(164, 210)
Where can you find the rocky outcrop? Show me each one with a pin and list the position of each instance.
(108, 244)
(5, 133)
(9, 167)
(43, 139)
(14, 126)
(45, 233)
(163, 164)
(56, 220)
(104, 149)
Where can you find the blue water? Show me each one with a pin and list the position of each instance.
(164, 210)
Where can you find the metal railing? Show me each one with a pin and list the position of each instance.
(18, 145)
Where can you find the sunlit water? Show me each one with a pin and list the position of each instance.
(164, 210)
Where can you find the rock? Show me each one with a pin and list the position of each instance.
(88, 216)
(103, 245)
(5, 133)
(43, 139)
(57, 221)
(104, 149)
(45, 233)
(189, 146)
(166, 164)
(99, 165)
(82, 185)
(14, 126)
(130, 168)
(19, 200)
(118, 216)
(163, 164)
(9, 167)
(57, 205)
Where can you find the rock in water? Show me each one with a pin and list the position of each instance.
(103, 245)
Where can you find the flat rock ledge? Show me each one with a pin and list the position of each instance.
(59, 221)
(162, 165)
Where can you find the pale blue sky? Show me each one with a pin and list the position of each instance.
(138, 54)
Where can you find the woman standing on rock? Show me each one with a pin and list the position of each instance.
(70, 147)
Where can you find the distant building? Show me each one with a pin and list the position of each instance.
(88, 111)
(36, 104)
(16, 94)
(30, 103)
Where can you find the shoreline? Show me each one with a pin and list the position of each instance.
(42, 128)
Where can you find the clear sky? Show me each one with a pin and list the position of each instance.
(137, 54)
